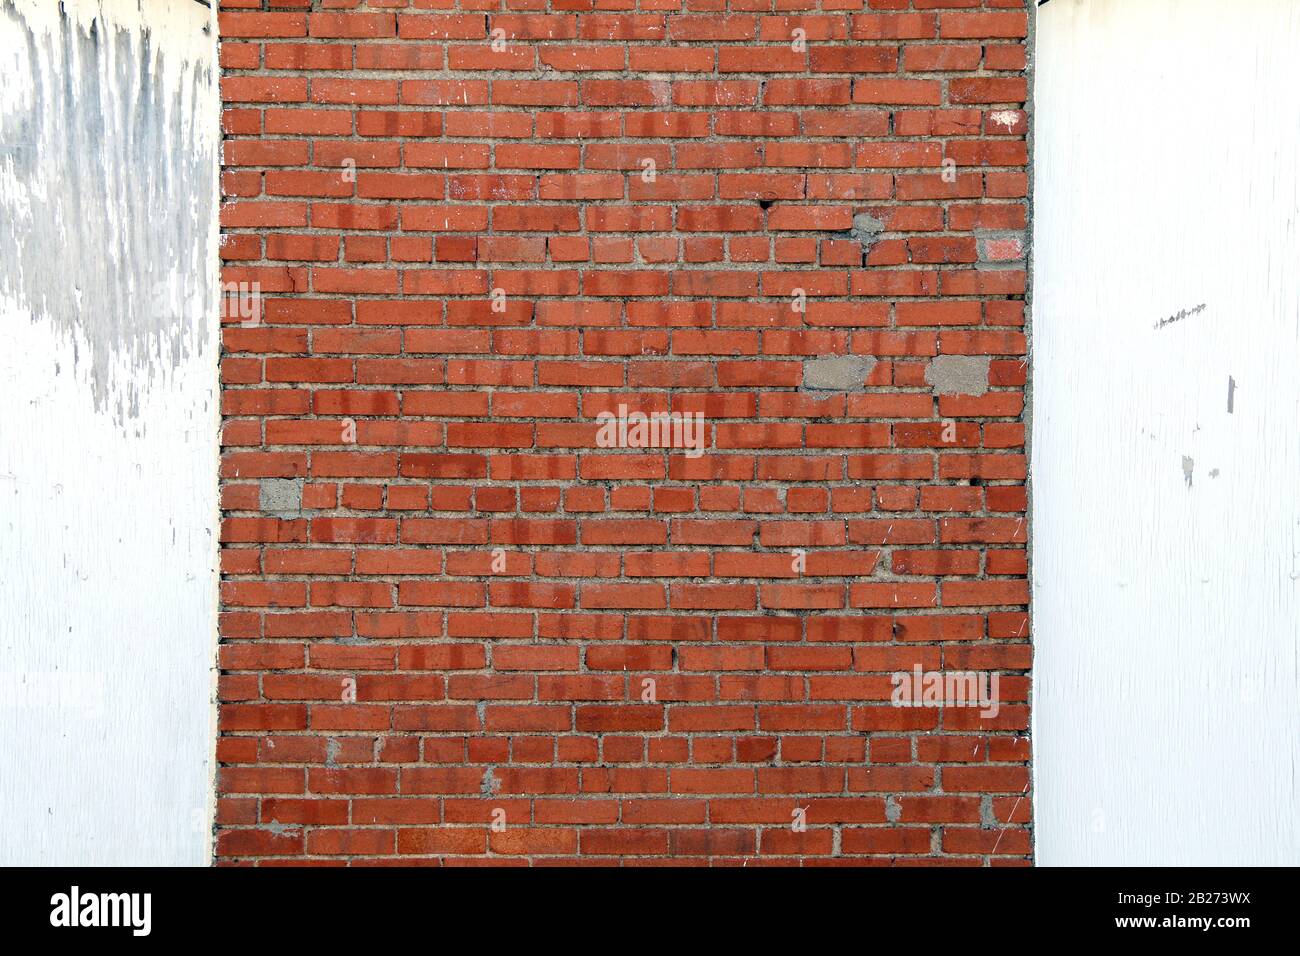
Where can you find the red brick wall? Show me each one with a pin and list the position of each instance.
(416, 509)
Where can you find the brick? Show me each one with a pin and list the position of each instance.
(642, 654)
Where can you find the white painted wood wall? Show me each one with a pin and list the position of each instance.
(1166, 524)
(108, 424)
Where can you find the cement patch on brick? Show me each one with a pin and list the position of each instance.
(958, 374)
(281, 496)
(837, 373)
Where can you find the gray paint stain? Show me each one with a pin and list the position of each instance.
(280, 829)
(108, 234)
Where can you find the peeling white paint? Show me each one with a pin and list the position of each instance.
(1166, 525)
(108, 423)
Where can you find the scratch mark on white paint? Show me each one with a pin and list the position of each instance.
(1179, 316)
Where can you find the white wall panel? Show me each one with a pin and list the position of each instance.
(108, 421)
(1166, 514)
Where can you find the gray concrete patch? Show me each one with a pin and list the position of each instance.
(866, 230)
(281, 496)
(958, 374)
(838, 373)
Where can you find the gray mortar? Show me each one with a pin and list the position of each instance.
(988, 819)
(1031, 47)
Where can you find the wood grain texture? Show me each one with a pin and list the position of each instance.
(1166, 448)
(108, 139)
